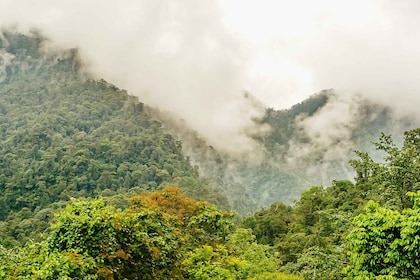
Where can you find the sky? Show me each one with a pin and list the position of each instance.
(366, 47)
(196, 58)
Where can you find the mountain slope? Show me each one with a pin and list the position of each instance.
(307, 145)
(64, 135)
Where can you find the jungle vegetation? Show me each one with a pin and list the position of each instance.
(94, 187)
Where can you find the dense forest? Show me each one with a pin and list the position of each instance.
(65, 136)
(96, 185)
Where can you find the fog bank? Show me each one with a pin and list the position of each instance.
(196, 58)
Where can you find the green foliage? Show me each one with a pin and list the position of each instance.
(310, 237)
(310, 203)
(37, 261)
(208, 224)
(261, 257)
(316, 263)
(270, 224)
(388, 182)
(213, 263)
(239, 258)
(202, 222)
(155, 237)
(86, 226)
(385, 242)
(124, 244)
(275, 276)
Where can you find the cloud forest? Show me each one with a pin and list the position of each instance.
(98, 184)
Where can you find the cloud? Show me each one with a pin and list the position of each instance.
(366, 47)
(176, 55)
(195, 58)
(329, 130)
(5, 59)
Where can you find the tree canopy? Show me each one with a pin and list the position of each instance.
(64, 135)
(160, 235)
(361, 230)
(87, 176)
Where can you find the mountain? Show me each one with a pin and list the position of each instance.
(308, 144)
(64, 134)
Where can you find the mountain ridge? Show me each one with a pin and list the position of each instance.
(291, 158)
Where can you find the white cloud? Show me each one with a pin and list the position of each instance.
(369, 47)
(195, 58)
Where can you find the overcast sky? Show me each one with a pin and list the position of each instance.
(301, 47)
(195, 58)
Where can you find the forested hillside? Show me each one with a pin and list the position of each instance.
(99, 138)
(338, 232)
(296, 152)
(64, 135)
(94, 187)
(363, 230)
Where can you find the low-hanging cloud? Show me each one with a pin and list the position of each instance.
(330, 130)
(176, 55)
(369, 47)
(195, 58)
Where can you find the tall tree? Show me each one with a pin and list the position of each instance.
(385, 243)
(388, 182)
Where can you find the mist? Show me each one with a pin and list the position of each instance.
(195, 59)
